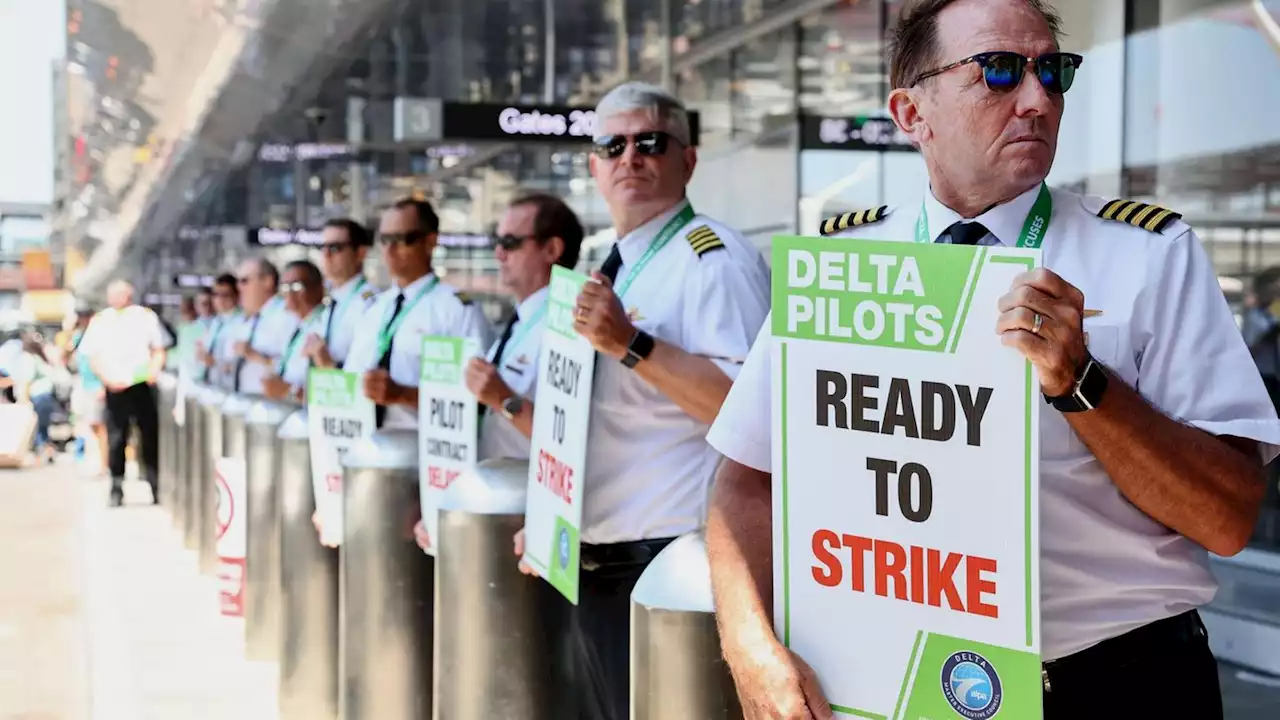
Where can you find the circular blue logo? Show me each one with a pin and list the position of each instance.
(563, 546)
(971, 686)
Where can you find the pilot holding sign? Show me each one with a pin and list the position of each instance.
(344, 244)
(387, 347)
(536, 233)
(1134, 488)
(672, 314)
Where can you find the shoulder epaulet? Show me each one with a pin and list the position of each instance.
(463, 297)
(1151, 218)
(703, 240)
(833, 225)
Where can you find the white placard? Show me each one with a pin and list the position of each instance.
(905, 479)
(447, 423)
(558, 448)
(231, 532)
(338, 416)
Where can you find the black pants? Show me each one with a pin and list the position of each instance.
(1162, 670)
(136, 404)
(591, 643)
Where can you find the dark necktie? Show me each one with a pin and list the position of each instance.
(384, 362)
(253, 330)
(502, 345)
(611, 264)
(967, 233)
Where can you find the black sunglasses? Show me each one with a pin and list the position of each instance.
(1002, 71)
(510, 242)
(653, 142)
(406, 238)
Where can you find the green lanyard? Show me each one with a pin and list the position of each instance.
(293, 341)
(1033, 229)
(333, 308)
(391, 325)
(525, 329)
(667, 232)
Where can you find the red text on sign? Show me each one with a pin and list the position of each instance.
(924, 576)
(555, 476)
(441, 478)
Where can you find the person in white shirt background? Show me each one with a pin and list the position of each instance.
(1135, 487)
(671, 314)
(387, 349)
(211, 347)
(125, 346)
(536, 233)
(344, 246)
(303, 290)
(257, 340)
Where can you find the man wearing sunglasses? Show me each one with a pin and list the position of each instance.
(256, 341)
(387, 347)
(672, 313)
(226, 308)
(345, 244)
(303, 293)
(1134, 488)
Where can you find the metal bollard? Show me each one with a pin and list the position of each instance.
(677, 671)
(262, 547)
(308, 588)
(192, 468)
(166, 389)
(205, 496)
(490, 640)
(385, 584)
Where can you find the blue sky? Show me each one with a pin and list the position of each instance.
(31, 36)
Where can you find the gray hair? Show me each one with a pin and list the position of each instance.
(657, 102)
(123, 286)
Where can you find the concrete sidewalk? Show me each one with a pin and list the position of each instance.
(43, 629)
(160, 649)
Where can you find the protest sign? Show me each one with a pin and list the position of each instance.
(339, 416)
(905, 479)
(447, 423)
(558, 449)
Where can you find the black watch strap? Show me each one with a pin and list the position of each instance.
(639, 348)
(1086, 394)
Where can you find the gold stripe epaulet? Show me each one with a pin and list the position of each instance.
(1151, 218)
(833, 225)
(703, 240)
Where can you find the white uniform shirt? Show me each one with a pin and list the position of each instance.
(442, 311)
(518, 368)
(215, 339)
(649, 468)
(1165, 329)
(119, 343)
(344, 314)
(267, 332)
(295, 362)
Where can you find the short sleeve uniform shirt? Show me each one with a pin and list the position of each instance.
(649, 468)
(1166, 330)
(442, 311)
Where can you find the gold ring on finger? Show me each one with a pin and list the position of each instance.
(1037, 323)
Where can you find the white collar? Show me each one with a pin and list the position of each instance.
(344, 290)
(632, 247)
(1004, 221)
(414, 287)
(532, 304)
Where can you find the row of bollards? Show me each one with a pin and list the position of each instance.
(378, 629)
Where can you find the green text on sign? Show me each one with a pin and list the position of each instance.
(442, 359)
(565, 287)
(870, 292)
(331, 388)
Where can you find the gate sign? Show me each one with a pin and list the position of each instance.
(447, 423)
(905, 479)
(338, 417)
(231, 532)
(558, 448)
